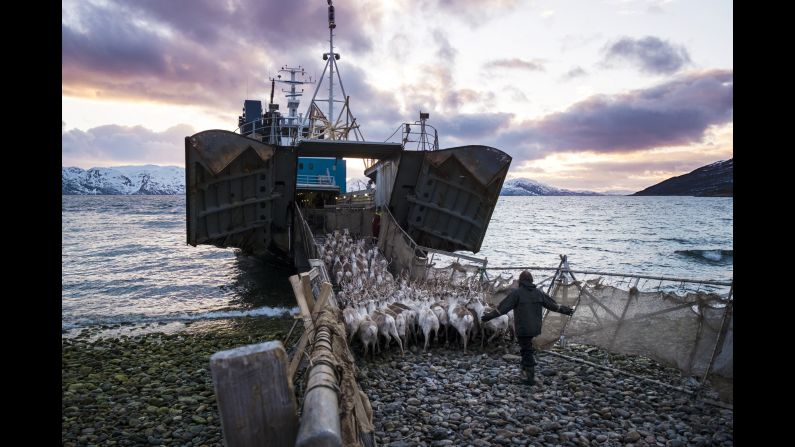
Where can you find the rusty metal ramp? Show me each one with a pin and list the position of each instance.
(444, 199)
(238, 190)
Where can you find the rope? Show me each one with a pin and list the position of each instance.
(591, 272)
(635, 376)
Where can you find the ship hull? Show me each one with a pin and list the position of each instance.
(241, 192)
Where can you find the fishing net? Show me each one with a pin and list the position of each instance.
(676, 330)
(679, 330)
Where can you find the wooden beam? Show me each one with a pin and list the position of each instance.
(596, 300)
(306, 283)
(298, 355)
(298, 290)
(256, 401)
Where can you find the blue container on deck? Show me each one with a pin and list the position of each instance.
(320, 171)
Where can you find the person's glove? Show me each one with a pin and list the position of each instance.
(487, 316)
(566, 310)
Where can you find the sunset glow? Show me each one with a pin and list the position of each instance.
(600, 95)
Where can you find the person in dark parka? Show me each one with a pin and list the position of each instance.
(527, 301)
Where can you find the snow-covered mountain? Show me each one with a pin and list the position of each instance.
(527, 187)
(512, 187)
(123, 180)
(713, 180)
(157, 180)
(356, 183)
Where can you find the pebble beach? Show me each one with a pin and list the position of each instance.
(153, 387)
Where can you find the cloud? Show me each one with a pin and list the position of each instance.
(575, 72)
(517, 64)
(677, 112)
(633, 7)
(575, 41)
(470, 128)
(516, 94)
(198, 52)
(446, 53)
(650, 54)
(473, 12)
(113, 145)
(368, 103)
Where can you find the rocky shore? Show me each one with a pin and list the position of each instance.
(156, 389)
(445, 397)
(150, 389)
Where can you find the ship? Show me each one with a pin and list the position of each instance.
(277, 183)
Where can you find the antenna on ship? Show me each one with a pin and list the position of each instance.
(273, 119)
(293, 96)
(330, 125)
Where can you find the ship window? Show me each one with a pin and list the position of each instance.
(311, 166)
(300, 166)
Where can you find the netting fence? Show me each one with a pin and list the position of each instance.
(679, 322)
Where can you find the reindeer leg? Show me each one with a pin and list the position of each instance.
(399, 342)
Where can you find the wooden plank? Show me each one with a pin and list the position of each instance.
(596, 300)
(256, 401)
(323, 299)
(298, 356)
(306, 283)
(298, 290)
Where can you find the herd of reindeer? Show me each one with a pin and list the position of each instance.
(376, 306)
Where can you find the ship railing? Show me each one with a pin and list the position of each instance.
(416, 136)
(358, 199)
(252, 124)
(307, 237)
(315, 180)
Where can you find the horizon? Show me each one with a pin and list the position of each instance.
(360, 177)
(640, 92)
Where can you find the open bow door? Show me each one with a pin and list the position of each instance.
(444, 199)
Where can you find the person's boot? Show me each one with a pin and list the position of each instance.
(529, 375)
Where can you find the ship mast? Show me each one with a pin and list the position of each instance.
(329, 55)
(330, 125)
(292, 95)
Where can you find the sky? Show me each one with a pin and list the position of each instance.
(600, 95)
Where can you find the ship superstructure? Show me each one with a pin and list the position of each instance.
(250, 189)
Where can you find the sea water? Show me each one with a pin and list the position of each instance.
(125, 258)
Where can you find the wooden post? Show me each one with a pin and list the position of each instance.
(298, 290)
(306, 283)
(298, 355)
(724, 326)
(623, 314)
(256, 402)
